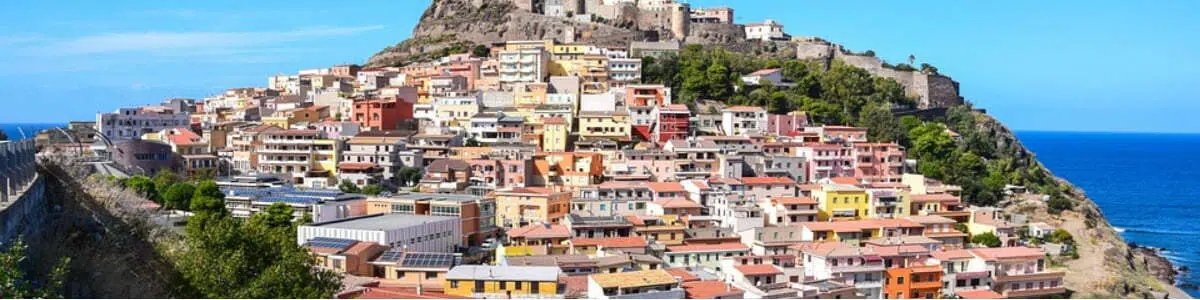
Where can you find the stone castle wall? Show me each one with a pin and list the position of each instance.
(22, 190)
(931, 90)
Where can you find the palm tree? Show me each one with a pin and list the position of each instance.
(911, 59)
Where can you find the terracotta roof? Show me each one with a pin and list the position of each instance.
(710, 289)
(355, 166)
(633, 279)
(899, 250)
(727, 246)
(845, 180)
(678, 203)
(859, 225)
(612, 242)
(359, 247)
(809, 187)
(183, 136)
(675, 107)
(934, 198)
(683, 274)
(402, 293)
(541, 231)
(658, 187)
(767, 180)
(931, 219)
(951, 255)
(1007, 253)
(575, 284)
(979, 294)
(752, 270)
(794, 200)
(553, 120)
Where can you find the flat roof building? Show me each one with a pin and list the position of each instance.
(413, 232)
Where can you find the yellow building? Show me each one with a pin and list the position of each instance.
(287, 118)
(555, 134)
(606, 125)
(529, 95)
(841, 202)
(569, 51)
(855, 232)
(890, 203)
(667, 229)
(479, 281)
(517, 207)
(534, 44)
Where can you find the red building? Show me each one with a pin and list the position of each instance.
(383, 113)
(672, 122)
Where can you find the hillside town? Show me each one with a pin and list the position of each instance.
(544, 169)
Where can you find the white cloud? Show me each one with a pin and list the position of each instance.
(143, 42)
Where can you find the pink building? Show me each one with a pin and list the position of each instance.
(643, 165)
(790, 124)
(828, 160)
(722, 14)
(764, 188)
(514, 172)
(486, 172)
(878, 161)
(465, 66)
(845, 133)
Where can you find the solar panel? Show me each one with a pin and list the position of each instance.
(331, 243)
(391, 256)
(428, 260)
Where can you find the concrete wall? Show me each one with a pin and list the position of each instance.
(22, 191)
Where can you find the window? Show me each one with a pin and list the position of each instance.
(431, 275)
(454, 284)
(899, 280)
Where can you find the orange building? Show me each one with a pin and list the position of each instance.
(913, 282)
(384, 113)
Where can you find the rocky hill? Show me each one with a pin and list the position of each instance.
(454, 26)
(1107, 266)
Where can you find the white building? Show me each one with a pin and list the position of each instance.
(622, 71)
(131, 123)
(523, 65)
(420, 233)
(768, 30)
(741, 120)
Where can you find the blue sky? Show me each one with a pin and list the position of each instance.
(1037, 65)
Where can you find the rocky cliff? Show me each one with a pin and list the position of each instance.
(1107, 266)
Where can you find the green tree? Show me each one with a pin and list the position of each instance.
(881, 125)
(3, 136)
(164, 180)
(409, 176)
(372, 189)
(471, 142)
(13, 281)
(226, 258)
(144, 187)
(179, 196)
(1058, 203)
(481, 51)
(1061, 236)
(718, 81)
(987, 239)
(348, 187)
(279, 214)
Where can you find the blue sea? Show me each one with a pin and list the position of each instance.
(31, 129)
(1147, 185)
